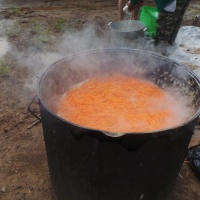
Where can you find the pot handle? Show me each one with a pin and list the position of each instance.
(31, 111)
(145, 29)
(110, 23)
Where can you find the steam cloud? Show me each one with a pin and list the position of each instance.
(39, 59)
(69, 43)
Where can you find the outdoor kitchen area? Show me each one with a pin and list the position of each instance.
(92, 109)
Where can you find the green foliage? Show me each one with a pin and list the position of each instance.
(43, 32)
(60, 24)
(13, 11)
(36, 26)
(4, 69)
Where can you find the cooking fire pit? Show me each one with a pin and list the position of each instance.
(90, 164)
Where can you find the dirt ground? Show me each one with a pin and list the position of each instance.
(36, 25)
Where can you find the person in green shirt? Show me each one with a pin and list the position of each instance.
(169, 19)
(160, 4)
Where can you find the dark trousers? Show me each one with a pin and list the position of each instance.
(169, 23)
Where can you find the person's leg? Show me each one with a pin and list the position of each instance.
(169, 23)
(121, 4)
(165, 24)
(182, 7)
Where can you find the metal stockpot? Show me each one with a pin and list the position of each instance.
(126, 31)
(89, 164)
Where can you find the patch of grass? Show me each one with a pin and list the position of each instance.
(4, 69)
(36, 26)
(45, 38)
(43, 32)
(13, 11)
(59, 24)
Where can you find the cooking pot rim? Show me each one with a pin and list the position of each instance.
(125, 21)
(42, 101)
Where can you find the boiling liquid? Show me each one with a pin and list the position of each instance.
(121, 104)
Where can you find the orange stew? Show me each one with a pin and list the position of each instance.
(119, 104)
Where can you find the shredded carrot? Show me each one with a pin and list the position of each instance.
(119, 104)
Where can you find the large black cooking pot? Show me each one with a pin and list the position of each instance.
(88, 164)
